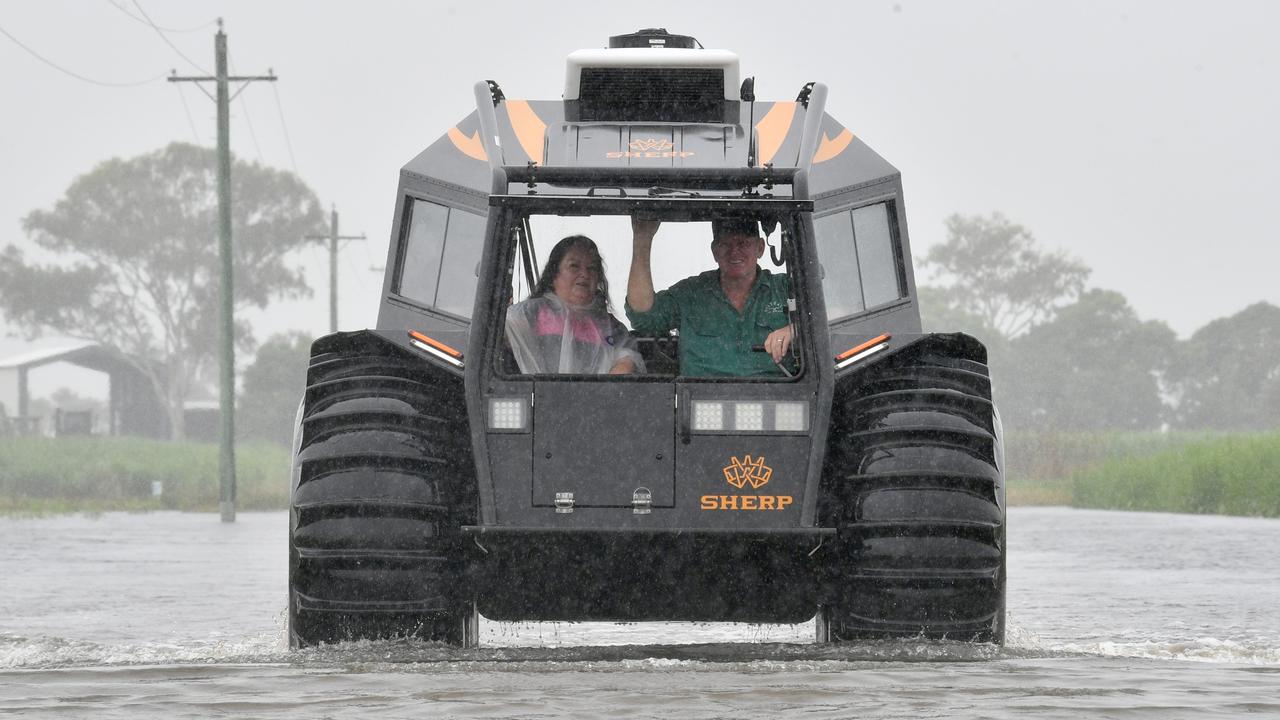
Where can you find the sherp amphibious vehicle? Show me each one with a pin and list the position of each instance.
(434, 481)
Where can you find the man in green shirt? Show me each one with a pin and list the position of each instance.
(720, 313)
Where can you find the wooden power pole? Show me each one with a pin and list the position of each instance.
(226, 335)
(334, 238)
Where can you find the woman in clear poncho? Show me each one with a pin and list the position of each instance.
(565, 325)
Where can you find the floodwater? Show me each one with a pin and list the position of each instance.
(1112, 614)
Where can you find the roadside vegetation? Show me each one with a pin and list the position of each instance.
(1040, 466)
(1103, 408)
(1236, 474)
(1227, 475)
(1183, 472)
(44, 475)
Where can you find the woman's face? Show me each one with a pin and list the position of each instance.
(577, 278)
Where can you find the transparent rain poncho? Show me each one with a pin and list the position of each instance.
(548, 335)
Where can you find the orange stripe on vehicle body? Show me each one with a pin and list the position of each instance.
(829, 148)
(470, 146)
(772, 130)
(530, 130)
(434, 343)
(855, 350)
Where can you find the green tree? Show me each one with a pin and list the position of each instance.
(272, 388)
(991, 268)
(1227, 375)
(128, 258)
(1096, 365)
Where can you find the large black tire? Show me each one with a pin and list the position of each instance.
(914, 482)
(383, 482)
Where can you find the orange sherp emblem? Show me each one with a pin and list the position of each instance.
(651, 145)
(740, 473)
(746, 471)
(649, 148)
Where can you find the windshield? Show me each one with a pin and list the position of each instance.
(700, 308)
(680, 249)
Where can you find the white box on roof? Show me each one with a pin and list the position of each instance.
(654, 57)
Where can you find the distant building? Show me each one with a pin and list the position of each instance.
(133, 408)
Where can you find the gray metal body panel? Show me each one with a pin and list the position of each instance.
(573, 452)
(539, 134)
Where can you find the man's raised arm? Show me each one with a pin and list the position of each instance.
(640, 279)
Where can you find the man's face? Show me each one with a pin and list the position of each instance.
(736, 254)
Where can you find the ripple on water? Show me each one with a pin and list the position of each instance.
(44, 652)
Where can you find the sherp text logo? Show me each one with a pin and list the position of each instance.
(740, 473)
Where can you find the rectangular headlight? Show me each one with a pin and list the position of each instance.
(708, 416)
(790, 416)
(748, 416)
(507, 414)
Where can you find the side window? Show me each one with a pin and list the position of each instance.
(420, 268)
(841, 280)
(880, 276)
(441, 250)
(462, 247)
(860, 260)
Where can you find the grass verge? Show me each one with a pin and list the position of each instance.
(1226, 475)
(1037, 492)
(100, 474)
(1231, 475)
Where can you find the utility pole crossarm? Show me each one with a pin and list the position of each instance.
(246, 79)
(212, 78)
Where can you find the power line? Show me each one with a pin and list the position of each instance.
(244, 105)
(124, 10)
(75, 75)
(287, 143)
(369, 259)
(187, 109)
(166, 40)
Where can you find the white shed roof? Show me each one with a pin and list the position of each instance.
(46, 355)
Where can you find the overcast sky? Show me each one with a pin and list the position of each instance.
(1139, 137)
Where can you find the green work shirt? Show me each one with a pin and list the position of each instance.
(715, 339)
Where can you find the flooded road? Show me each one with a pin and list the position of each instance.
(177, 615)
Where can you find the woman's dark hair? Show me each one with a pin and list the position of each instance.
(546, 281)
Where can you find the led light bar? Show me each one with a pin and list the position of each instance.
(715, 416)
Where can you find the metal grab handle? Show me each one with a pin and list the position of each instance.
(785, 371)
(622, 192)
